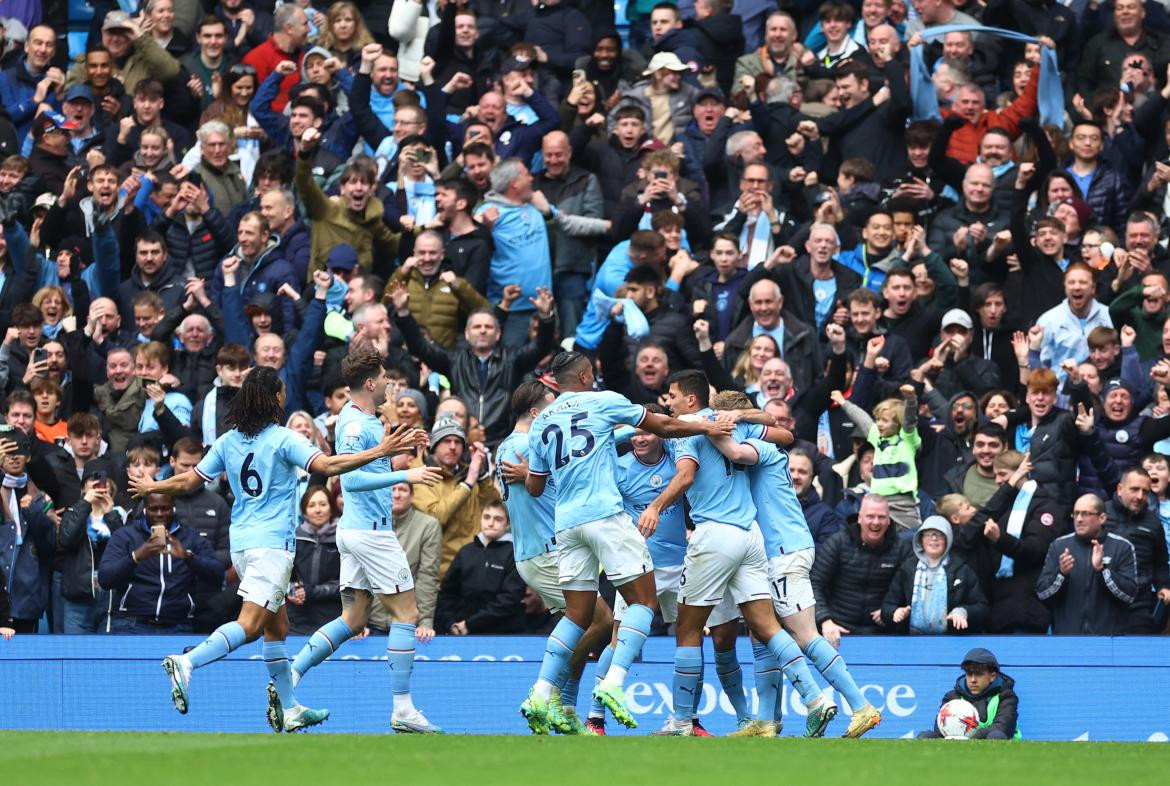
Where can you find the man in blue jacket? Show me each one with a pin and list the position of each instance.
(27, 537)
(152, 565)
(30, 82)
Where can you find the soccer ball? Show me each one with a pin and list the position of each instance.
(958, 719)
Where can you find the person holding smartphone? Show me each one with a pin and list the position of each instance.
(86, 529)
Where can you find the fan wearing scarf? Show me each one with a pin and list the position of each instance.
(26, 535)
(934, 591)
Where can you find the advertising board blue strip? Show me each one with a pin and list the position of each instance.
(1069, 688)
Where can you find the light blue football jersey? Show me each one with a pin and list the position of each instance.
(640, 484)
(262, 472)
(778, 510)
(533, 518)
(365, 508)
(721, 491)
(572, 439)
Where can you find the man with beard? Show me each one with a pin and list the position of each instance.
(1129, 516)
(153, 271)
(469, 244)
(975, 479)
(669, 329)
(136, 55)
(1066, 326)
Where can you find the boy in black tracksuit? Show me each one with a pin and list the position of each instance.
(992, 694)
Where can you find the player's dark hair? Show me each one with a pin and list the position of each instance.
(566, 365)
(692, 383)
(528, 395)
(654, 408)
(256, 407)
(362, 363)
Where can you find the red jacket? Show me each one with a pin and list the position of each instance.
(267, 56)
(964, 146)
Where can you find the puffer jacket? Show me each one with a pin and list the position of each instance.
(296, 244)
(317, 565)
(963, 590)
(83, 553)
(1053, 451)
(823, 521)
(1144, 531)
(850, 580)
(440, 307)
(168, 285)
(507, 367)
(268, 272)
(483, 589)
(202, 248)
(682, 102)
(27, 565)
(1109, 197)
(162, 587)
(1006, 716)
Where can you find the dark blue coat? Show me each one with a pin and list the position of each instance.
(270, 270)
(26, 566)
(160, 587)
(822, 520)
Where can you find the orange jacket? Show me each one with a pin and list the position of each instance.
(964, 146)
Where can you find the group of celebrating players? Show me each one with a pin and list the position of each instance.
(572, 501)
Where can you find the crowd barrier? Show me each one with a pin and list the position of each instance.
(1069, 688)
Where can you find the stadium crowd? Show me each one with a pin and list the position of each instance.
(818, 204)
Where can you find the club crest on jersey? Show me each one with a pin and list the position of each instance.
(353, 429)
(655, 480)
(403, 574)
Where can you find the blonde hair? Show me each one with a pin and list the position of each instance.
(731, 399)
(892, 407)
(44, 292)
(1009, 459)
(361, 33)
(950, 505)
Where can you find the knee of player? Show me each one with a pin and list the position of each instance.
(408, 616)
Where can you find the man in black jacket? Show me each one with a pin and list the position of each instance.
(871, 123)
(669, 329)
(1090, 576)
(853, 571)
(485, 371)
(1129, 516)
(152, 565)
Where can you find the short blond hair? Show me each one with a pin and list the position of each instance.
(892, 406)
(1009, 459)
(950, 505)
(731, 399)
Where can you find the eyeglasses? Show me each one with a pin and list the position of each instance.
(963, 405)
(242, 69)
(1081, 514)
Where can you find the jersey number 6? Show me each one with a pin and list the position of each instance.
(250, 479)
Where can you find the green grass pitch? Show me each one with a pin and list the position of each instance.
(128, 759)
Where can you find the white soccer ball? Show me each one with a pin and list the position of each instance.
(958, 719)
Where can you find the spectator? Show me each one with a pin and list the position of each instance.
(27, 537)
(1129, 516)
(26, 85)
(481, 592)
(1089, 578)
(314, 596)
(290, 32)
(797, 340)
(823, 521)
(421, 537)
(121, 398)
(663, 97)
(777, 57)
(440, 301)
(151, 566)
(85, 532)
(853, 572)
(135, 54)
(221, 175)
(934, 591)
(457, 500)
(991, 692)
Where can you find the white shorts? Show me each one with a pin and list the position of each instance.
(666, 581)
(612, 542)
(373, 560)
(724, 560)
(791, 587)
(540, 573)
(264, 575)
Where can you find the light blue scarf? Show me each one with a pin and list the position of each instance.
(635, 321)
(928, 606)
(1049, 93)
(1015, 525)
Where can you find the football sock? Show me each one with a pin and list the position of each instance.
(603, 661)
(795, 667)
(276, 659)
(702, 681)
(223, 640)
(323, 643)
(632, 633)
(400, 656)
(687, 663)
(570, 691)
(829, 662)
(731, 678)
(561, 643)
(767, 680)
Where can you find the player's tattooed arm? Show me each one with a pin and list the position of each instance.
(684, 478)
(174, 486)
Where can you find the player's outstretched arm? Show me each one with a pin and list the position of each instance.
(668, 427)
(684, 478)
(372, 480)
(174, 486)
(777, 435)
(395, 440)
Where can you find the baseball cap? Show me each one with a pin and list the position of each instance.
(957, 316)
(117, 20)
(51, 121)
(711, 92)
(342, 257)
(446, 427)
(665, 60)
(981, 656)
(45, 202)
(515, 63)
(80, 92)
(652, 146)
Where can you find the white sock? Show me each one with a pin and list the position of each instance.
(543, 689)
(296, 678)
(615, 677)
(403, 704)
